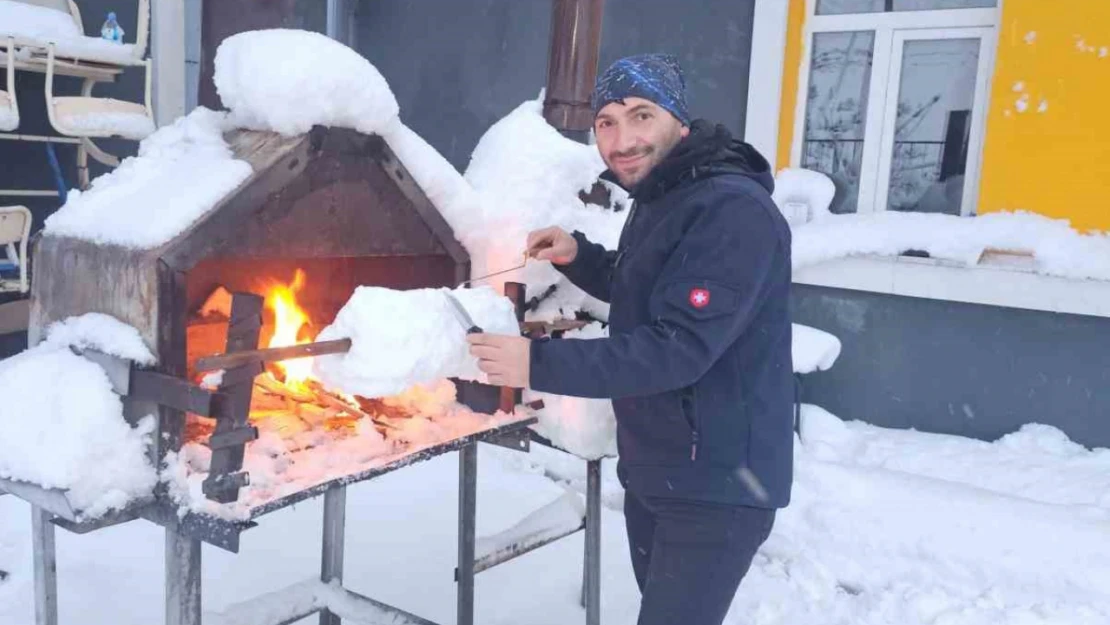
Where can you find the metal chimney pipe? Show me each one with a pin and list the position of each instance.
(572, 65)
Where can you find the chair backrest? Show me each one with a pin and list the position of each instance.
(57, 5)
(15, 221)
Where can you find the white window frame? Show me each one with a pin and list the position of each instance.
(891, 31)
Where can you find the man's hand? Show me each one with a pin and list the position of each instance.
(553, 244)
(505, 359)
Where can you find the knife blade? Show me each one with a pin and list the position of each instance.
(462, 315)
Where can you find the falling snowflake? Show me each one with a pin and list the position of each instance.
(1043, 107)
(1022, 103)
(1030, 37)
(1103, 52)
(1019, 86)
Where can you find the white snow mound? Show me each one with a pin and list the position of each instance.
(179, 174)
(101, 332)
(813, 349)
(403, 338)
(62, 425)
(290, 80)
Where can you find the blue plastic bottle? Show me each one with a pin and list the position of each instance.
(111, 29)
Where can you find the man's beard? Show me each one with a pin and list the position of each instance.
(653, 155)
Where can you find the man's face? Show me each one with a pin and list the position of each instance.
(634, 135)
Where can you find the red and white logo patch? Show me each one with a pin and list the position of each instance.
(699, 298)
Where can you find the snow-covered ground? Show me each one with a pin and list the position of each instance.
(886, 527)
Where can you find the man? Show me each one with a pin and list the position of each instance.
(698, 359)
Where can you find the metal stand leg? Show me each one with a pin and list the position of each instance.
(46, 568)
(182, 579)
(82, 149)
(592, 567)
(468, 500)
(335, 521)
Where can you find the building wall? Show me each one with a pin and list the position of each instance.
(1055, 162)
(219, 19)
(488, 56)
(979, 371)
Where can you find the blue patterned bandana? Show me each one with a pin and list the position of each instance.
(654, 77)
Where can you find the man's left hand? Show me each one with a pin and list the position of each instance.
(505, 359)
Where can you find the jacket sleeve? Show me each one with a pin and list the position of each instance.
(591, 269)
(711, 287)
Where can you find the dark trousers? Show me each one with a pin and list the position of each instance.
(689, 556)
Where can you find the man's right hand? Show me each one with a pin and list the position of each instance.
(553, 244)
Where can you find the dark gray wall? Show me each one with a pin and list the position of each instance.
(220, 19)
(457, 67)
(979, 371)
(24, 165)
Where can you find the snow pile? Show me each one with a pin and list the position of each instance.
(1037, 462)
(813, 349)
(290, 80)
(458, 202)
(76, 440)
(403, 338)
(180, 173)
(530, 177)
(585, 427)
(1057, 248)
(803, 194)
(41, 25)
(871, 545)
(102, 333)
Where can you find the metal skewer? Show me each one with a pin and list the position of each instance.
(497, 273)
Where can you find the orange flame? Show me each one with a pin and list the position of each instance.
(289, 319)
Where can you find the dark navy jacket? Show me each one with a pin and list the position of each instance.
(698, 360)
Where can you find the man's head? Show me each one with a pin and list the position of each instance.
(639, 114)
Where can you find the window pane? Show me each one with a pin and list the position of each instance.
(935, 101)
(929, 5)
(840, 7)
(836, 111)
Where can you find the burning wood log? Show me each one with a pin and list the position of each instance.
(272, 354)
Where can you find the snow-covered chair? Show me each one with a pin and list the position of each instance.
(15, 231)
(9, 106)
(88, 116)
(803, 195)
(47, 36)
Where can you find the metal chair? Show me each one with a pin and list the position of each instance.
(15, 229)
(63, 49)
(9, 106)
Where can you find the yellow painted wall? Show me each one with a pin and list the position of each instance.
(1054, 161)
(791, 68)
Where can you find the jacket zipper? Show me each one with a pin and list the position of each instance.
(689, 412)
(626, 233)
